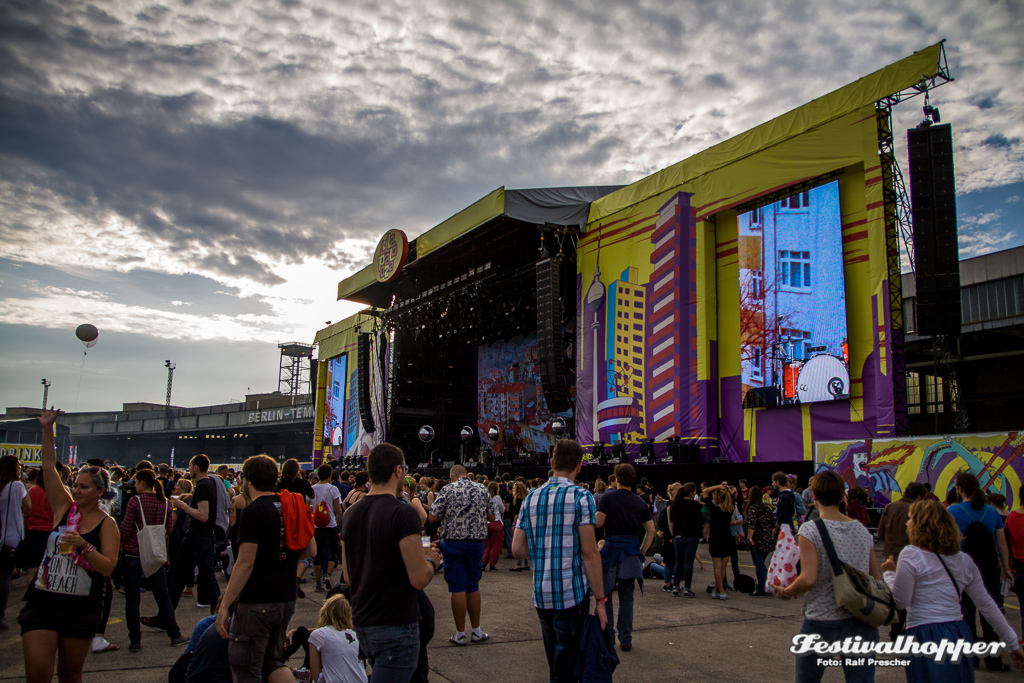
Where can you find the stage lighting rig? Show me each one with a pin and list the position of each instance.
(597, 454)
(426, 435)
(619, 452)
(558, 427)
(672, 452)
(646, 452)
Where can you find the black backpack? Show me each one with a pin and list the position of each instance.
(979, 542)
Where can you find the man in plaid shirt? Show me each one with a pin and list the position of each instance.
(556, 531)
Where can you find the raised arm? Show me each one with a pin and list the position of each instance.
(56, 494)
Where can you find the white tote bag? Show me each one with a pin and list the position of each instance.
(152, 543)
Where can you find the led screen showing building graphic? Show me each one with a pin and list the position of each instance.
(793, 334)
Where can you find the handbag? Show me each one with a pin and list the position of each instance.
(868, 599)
(783, 569)
(152, 543)
(8, 552)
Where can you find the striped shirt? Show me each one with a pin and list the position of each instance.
(156, 511)
(550, 517)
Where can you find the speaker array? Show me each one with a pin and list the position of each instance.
(363, 360)
(551, 352)
(936, 249)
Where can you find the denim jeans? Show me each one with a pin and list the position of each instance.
(131, 570)
(509, 529)
(758, 558)
(991, 579)
(561, 631)
(392, 651)
(686, 550)
(807, 669)
(624, 627)
(195, 552)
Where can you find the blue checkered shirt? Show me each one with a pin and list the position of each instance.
(550, 517)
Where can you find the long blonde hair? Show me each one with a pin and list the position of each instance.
(336, 613)
(723, 499)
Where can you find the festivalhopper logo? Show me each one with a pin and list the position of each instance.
(867, 652)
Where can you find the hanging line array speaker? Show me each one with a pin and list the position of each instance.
(550, 349)
(363, 360)
(936, 248)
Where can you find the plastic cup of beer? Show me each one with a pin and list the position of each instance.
(62, 547)
(425, 540)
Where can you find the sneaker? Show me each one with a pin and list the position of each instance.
(318, 589)
(151, 622)
(667, 588)
(759, 594)
(299, 592)
(458, 640)
(178, 640)
(715, 595)
(200, 605)
(302, 580)
(478, 638)
(675, 591)
(134, 647)
(625, 647)
(687, 593)
(723, 596)
(187, 593)
(327, 583)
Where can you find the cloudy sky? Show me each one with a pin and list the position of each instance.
(194, 178)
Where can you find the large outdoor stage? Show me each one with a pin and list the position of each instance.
(739, 306)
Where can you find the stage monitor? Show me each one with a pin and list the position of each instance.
(793, 332)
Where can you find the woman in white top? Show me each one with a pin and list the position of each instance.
(334, 647)
(14, 507)
(822, 616)
(928, 582)
(495, 529)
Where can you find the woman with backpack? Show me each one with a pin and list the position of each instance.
(822, 616)
(929, 581)
(148, 508)
(981, 528)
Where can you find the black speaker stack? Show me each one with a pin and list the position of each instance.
(936, 248)
(363, 359)
(550, 350)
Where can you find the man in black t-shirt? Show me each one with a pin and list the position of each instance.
(384, 565)
(198, 548)
(623, 515)
(262, 585)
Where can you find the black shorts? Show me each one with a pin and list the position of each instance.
(64, 624)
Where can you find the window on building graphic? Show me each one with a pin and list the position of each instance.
(638, 316)
(625, 290)
(638, 327)
(638, 337)
(756, 218)
(800, 200)
(757, 364)
(795, 270)
(757, 284)
(913, 393)
(638, 304)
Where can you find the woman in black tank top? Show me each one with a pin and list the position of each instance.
(65, 595)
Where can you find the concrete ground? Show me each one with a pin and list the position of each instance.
(675, 638)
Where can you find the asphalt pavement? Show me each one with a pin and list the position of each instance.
(675, 638)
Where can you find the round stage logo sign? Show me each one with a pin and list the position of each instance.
(389, 258)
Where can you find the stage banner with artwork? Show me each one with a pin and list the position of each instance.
(510, 397)
(740, 299)
(884, 467)
(338, 430)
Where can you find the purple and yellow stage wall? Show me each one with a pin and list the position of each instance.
(884, 467)
(658, 281)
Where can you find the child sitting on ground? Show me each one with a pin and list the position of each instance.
(334, 647)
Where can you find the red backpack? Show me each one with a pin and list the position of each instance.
(322, 515)
(298, 521)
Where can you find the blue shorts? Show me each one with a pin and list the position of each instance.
(463, 565)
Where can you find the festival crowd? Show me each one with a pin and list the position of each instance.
(375, 539)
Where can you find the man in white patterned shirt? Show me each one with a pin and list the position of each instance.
(556, 531)
(464, 509)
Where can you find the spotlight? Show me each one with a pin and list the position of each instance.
(598, 454)
(558, 427)
(619, 451)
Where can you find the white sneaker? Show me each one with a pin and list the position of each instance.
(458, 640)
(715, 595)
(478, 638)
(723, 596)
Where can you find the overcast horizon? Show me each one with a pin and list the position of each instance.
(195, 179)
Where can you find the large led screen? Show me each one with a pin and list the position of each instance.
(510, 396)
(793, 300)
(341, 415)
